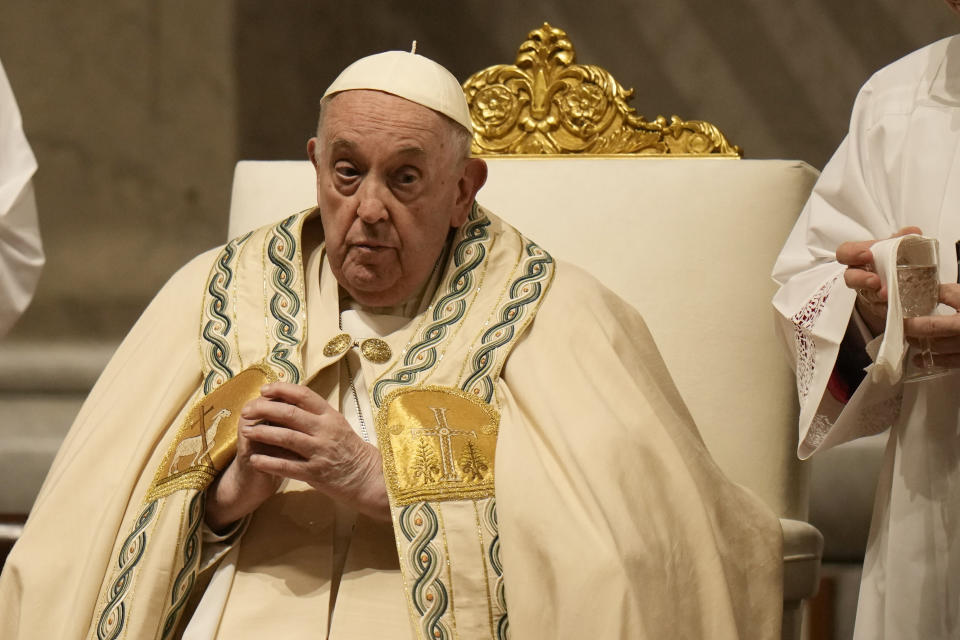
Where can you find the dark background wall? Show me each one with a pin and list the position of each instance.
(138, 109)
(779, 76)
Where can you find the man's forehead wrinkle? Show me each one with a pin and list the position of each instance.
(400, 145)
(410, 128)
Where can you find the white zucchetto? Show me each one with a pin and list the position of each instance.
(409, 76)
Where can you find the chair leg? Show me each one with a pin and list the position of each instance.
(821, 620)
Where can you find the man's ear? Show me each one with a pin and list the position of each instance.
(312, 151)
(474, 176)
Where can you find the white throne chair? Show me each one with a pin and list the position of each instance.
(666, 215)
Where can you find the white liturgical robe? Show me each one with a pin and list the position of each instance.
(21, 256)
(898, 166)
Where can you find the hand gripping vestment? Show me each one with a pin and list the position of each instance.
(898, 166)
(546, 480)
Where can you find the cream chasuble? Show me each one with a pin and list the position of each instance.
(257, 590)
(433, 564)
(606, 517)
(898, 166)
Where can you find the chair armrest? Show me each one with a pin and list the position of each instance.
(802, 550)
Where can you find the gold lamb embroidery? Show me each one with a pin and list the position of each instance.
(207, 439)
(194, 448)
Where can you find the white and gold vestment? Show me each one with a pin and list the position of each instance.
(605, 517)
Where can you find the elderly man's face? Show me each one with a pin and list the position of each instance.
(389, 187)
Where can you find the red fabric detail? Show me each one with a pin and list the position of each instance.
(838, 387)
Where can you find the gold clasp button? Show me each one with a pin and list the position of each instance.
(337, 345)
(375, 350)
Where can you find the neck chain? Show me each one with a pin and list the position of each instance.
(353, 388)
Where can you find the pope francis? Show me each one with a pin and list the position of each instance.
(391, 416)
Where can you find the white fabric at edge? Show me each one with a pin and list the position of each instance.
(21, 252)
(899, 166)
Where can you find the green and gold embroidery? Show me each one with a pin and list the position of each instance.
(284, 297)
(536, 273)
(220, 360)
(456, 294)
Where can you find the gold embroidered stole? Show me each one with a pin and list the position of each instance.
(437, 423)
(156, 563)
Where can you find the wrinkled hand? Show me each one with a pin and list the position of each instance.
(861, 276)
(943, 331)
(291, 432)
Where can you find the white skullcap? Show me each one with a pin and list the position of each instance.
(409, 76)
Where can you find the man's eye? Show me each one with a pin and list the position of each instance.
(407, 177)
(345, 170)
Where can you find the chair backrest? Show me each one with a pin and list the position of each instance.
(689, 241)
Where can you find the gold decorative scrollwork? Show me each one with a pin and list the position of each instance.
(547, 104)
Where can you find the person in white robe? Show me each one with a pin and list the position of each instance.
(21, 251)
(896, 172)
(392, 416)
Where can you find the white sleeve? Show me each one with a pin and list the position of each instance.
(21, 252)
(849, 202)
(216, 545)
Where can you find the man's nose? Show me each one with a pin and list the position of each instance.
(371, 207)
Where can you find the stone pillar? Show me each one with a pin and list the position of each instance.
(130, 107)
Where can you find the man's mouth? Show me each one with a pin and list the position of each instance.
(370, 246)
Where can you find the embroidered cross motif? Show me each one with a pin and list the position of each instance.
(445, 434)
(437, 443)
